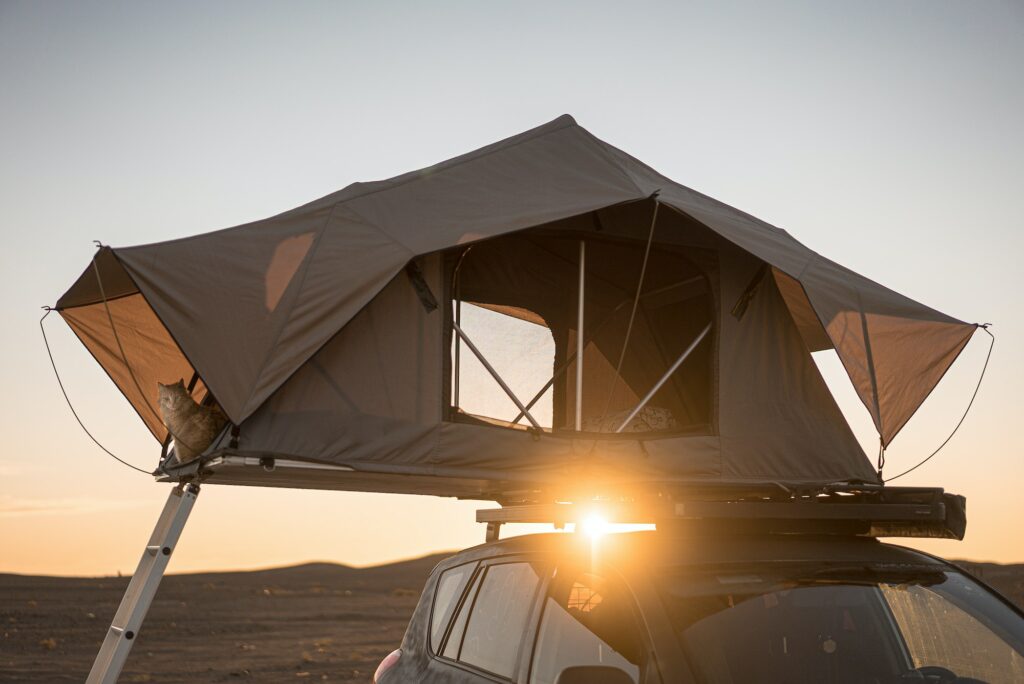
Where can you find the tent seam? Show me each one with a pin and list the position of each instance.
(365, 221)
(419, 172)
(602, 149)
(716, 202)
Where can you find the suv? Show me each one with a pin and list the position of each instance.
(657, 607)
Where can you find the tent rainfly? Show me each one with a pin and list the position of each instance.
(677, 331)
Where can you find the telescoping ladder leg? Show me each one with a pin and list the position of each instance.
(135, 604)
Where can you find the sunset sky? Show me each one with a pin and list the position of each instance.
(885, 135)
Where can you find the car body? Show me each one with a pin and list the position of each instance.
(665, 608)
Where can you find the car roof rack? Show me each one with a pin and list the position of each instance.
(852, 510)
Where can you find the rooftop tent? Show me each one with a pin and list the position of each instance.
(348, 331)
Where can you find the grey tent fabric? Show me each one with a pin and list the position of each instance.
(263, 312)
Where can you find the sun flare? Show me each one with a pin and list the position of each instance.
(595, 526)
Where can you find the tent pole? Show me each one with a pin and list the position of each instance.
(139, 594)
(494, 374)
(579, 337)
(572, 357)
(665, 377)
(458, 347)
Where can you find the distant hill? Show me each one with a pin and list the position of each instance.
(323, 572)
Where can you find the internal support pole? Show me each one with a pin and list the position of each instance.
(579, 336)
(458, 349)
(494, 374)
(665, 377)
(139, 594)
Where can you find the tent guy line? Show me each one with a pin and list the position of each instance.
(60, 383)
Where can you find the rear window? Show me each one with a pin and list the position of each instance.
(490, 626)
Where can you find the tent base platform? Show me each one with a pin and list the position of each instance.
(253, 471)
(693, 507)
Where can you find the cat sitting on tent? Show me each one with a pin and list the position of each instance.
(192, 426)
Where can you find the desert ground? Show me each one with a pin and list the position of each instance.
(315, 622)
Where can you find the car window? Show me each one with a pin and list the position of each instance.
(449, 588)
(454, 642)
(587, 620)
(939, 633)
(498, 608)
(844, 625)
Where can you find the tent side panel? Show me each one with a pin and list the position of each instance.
(373, 391)
(777, 417)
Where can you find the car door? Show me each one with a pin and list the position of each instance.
(483, 637)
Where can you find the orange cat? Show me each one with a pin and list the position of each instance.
(192, 426)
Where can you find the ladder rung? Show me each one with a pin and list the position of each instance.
(117, 630)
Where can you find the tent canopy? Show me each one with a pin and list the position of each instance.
(278, 319)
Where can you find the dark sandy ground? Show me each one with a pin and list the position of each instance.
(318, 622)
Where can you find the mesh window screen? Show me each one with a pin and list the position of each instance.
(516, 299)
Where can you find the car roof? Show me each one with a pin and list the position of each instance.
(663, 550)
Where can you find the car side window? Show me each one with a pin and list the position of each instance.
(446, 597)
(489, 629)
(454, 643)
(587, 620)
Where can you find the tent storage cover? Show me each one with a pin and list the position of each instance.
(345, 337)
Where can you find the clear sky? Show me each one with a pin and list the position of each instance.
(886, 135)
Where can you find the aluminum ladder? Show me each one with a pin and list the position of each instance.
(144, 583)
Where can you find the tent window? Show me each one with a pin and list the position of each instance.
(515, 301)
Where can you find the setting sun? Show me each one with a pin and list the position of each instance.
(595, 526)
